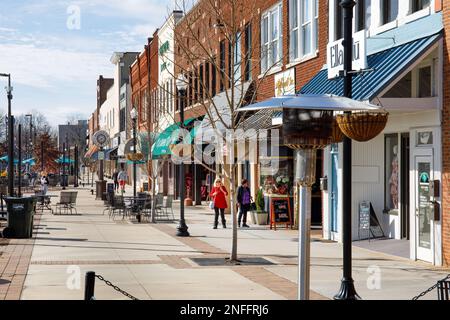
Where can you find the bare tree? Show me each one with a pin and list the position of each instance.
(220, 37)
(153, 124)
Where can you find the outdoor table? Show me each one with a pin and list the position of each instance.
(130, 202)
(42, 204)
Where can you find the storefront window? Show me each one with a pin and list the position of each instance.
(391, 178)
(276, 175)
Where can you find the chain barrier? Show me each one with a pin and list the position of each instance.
(430, 289)
(116, 287)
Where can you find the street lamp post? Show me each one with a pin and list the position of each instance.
(31, 135)
(182, 86)
(134, 115)
(9, 90)
(64, 167)
(347, 290)
(75, 173)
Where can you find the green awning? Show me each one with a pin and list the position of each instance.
(168, 137)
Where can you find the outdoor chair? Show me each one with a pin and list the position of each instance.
(109, 203)
(73, 201)
(64, 202)
(443, 287)
(118, 205)
(163, 208)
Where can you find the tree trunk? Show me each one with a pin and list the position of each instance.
(233, 256)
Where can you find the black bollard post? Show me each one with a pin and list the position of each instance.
(89, 286)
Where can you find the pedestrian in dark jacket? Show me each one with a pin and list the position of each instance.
(116, 180)
(244, 199)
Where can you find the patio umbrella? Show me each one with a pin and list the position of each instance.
(326, 102)
(6, 159)
(30, 161)
(65, 161)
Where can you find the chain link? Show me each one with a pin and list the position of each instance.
(429, 289)
(116, 287)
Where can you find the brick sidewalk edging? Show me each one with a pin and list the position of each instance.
(14, 263)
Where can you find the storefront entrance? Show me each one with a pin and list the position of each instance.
(424, 207)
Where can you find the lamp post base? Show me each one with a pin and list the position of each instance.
(347, 291)
(182, 230)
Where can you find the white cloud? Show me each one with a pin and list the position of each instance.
(46, 68)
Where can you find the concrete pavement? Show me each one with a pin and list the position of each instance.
(150, 262)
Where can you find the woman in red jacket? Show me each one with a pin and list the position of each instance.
(218, 194)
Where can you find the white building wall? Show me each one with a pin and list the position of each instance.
(166, 80)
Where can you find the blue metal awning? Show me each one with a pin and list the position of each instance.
(387, 66)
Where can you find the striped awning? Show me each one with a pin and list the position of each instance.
(386, 66)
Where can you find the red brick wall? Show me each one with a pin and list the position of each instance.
(445, 211)
(303, 71)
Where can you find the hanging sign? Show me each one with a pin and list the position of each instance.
(335, 55)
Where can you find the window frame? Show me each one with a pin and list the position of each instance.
(267, 60)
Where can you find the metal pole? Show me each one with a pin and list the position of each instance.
(182, 228)
(42, 154)
(89, 286)
(31, 136)
(304, 242)
(75, 184)
(347, 290)
(11, 141)
(134, 162)
(19, 164)
(64, 167)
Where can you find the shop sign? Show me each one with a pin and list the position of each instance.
(335, 55)
(285, 83)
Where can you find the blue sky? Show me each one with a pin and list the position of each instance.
(54, 64)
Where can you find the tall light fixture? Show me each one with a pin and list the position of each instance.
(347, 290)
(181, 83)
(9, 90)
(134, 116)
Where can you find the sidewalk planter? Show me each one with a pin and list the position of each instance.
(261, 218)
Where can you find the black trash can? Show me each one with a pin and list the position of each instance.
(20, 217)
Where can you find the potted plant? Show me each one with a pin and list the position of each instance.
(261, 214)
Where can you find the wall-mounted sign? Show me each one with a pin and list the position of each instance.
(164, 48)
(335, 55)
(101, 138)
(285, 83)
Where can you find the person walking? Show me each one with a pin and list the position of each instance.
(122, 177)
(116, 180)
(244, 199)
(44, 183)
(218, 195)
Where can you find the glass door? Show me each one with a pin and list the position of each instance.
(424, 208)
(334, 188)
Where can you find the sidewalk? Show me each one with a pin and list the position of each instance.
(150, 262)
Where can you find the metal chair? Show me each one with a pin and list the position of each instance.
(164, 206)
(73, 201)
(119, 205)
(443, 289)
(64, 201)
